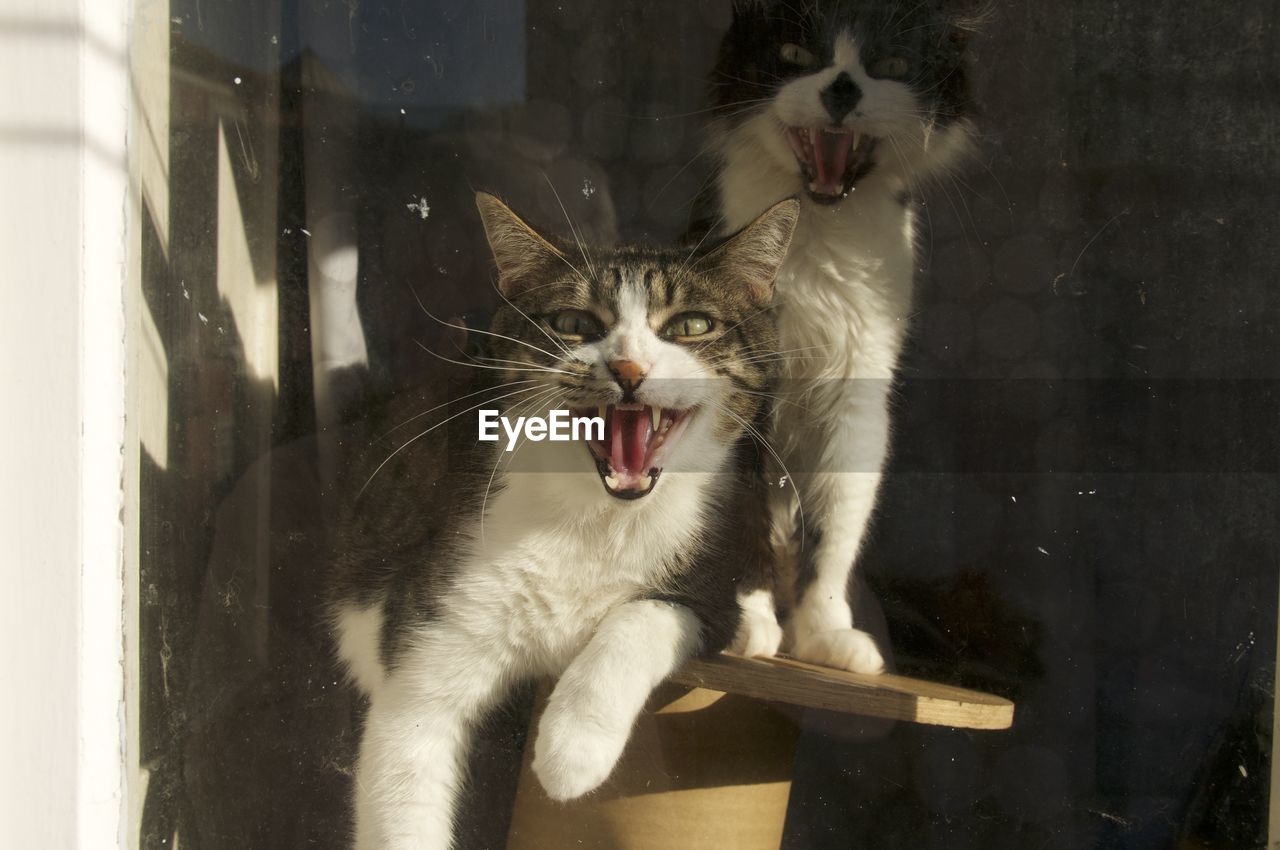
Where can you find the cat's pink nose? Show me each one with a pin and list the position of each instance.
(628, 373)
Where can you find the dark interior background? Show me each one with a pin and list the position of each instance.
(1083, 508)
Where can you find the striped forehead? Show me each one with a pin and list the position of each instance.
(643, 287)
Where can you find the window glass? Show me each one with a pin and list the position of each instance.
(1079, 511)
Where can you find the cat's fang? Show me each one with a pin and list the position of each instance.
(656, 414)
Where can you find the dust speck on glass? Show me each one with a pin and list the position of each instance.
(1077, 404)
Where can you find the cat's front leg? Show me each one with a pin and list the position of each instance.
(759, 634)
(839, 502)
(820, 629)
(413, 751)
(595, 704)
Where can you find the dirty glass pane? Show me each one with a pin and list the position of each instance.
(1081, 508)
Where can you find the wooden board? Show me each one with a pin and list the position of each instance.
(887, 695)
(702, 770)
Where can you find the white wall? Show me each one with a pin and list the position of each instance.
(62, 194)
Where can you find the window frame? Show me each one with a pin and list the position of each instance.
(69, 253)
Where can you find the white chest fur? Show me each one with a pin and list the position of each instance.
(844, 298)
(557, 554)
(553, 556)
(844, 292)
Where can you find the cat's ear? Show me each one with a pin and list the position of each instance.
(521, 253)
(754, 254)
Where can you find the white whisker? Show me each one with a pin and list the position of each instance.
(482, 332)
(483, 366)
(453, 401)
(522, 405)
(422, 434)
(572, 229)
(538, 366)
(758, 437)
(554, 340)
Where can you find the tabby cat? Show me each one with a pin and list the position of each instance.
(464, 569)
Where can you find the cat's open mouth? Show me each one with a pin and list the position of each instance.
(637, 437)
(833, 159)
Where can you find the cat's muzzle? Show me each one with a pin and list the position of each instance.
(832, 159)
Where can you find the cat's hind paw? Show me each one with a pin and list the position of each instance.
(573, 756)
(759, 635)
(844, 649)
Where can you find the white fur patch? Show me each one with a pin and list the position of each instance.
(759, 635)
(844, 649)
(593, 707)
(359, 642)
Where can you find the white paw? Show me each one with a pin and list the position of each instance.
(574, 754)
(845, 649)
(759, 635)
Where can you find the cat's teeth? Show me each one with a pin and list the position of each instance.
(857, 140)
(656, 414)
(603, 410)
(612, 481)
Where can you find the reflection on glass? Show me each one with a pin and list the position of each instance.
(1081, 514)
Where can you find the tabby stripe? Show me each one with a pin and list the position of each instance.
(743, 383)
(597, 286)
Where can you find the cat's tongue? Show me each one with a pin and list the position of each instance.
(830, 160)
(629, 442)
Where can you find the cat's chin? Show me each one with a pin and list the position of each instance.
(627, 487)
(637, 440)
(832, 159)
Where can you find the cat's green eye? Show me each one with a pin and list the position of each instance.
(688, 324)
(794, 54)
(576, 323)
(893, 67)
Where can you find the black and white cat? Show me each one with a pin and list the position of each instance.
(849, 104)
(464, 569)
